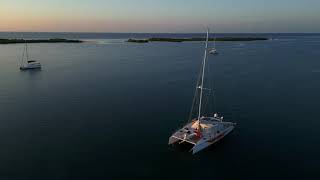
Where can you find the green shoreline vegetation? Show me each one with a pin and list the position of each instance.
(55, 40)
(197, 39)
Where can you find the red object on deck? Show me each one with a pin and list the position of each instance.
(199, 135)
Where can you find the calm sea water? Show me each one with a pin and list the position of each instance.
(105, 109)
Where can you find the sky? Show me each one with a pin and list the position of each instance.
(161, 16)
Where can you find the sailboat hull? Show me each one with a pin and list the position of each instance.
(204, 144)
(30, 66)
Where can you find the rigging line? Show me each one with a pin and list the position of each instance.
(214, 102)
(213, 88)
(22, 58)
(206, 94)
(27, 51)
(214, 41)
(209, 107)
(211, 82)
(24, 49)
(202, 78)
(195, 94)
(206, 104)
(212, 92)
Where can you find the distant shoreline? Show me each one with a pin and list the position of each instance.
(55, 40)
(197, 39)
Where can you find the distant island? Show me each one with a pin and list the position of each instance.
(55, 40)
(197, 39)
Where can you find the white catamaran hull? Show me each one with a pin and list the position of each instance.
(206, 143)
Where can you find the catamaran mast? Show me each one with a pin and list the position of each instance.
(202, 77)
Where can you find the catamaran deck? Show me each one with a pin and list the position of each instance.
(189, 132)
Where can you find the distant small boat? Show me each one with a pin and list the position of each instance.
(26, 63)
(213, 51)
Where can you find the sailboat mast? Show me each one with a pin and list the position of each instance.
(202, 77)
(214, 41)
(27, 55)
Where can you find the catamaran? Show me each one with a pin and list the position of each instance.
(26, 63)
(203, 130)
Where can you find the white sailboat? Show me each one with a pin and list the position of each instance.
(26, 63)
(202, 131)
(213, 51)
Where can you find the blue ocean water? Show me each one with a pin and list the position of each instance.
(105, 109)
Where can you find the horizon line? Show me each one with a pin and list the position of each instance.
(100, 32)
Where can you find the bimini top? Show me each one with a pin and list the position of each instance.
(204, 125)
